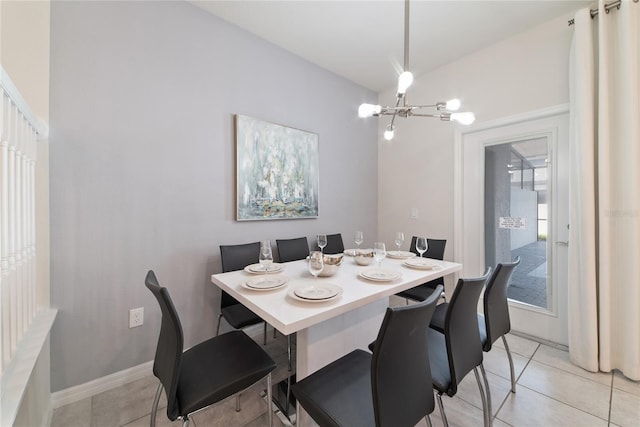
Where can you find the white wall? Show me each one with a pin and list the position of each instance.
(526, 72)
(143, 96)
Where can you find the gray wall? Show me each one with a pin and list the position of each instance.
(142, 167)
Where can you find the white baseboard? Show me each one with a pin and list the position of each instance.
(117, 379)
(100, 385)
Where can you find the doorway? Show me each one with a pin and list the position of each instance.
(512, 200)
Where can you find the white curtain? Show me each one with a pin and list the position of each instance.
(604, 249)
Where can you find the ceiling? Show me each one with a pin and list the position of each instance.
(362, 40)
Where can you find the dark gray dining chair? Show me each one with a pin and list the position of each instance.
(292, 249)
(237, 257)
(334, 244)
(435, 250)
(495, 322)
(457, 350)
(207, 372)
(390, 388)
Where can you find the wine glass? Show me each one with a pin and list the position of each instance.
(322, 241)
(359, 238)
(266, 256)
(399, 239)
(316, 264)
(379, 252)
(421, 245)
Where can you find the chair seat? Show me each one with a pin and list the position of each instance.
(239, 363)
(323, 394)
(239, 316)
(439, 362)
(421, 292)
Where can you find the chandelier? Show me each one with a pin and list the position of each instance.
(446, 111)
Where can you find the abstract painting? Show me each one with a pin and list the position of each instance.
(276, 171)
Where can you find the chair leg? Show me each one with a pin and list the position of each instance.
(286, 404)
(219, 320)
(238, 402)
(289, 351)
(445, 422)
(269, 400)
(488, 390)
(487, 418)
(427, 418)
(154, 407)
(264, 340)
(185, 421)
(406, 300)
(274, 334)
(513, 373)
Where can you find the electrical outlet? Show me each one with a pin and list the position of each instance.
(414, 213)
(136, 317)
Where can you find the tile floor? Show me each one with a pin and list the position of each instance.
(550, 392)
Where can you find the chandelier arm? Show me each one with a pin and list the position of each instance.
(436, 105)
(442, 116)
(393, 119)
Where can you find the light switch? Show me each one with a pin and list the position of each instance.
(414, 213)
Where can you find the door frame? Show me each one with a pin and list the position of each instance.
(548, 324)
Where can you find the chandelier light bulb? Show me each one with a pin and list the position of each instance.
(453, 104)
(404, 81)
(463, 118)
(368, 110)
(388, 134)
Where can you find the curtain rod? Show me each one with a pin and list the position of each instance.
(607, 8)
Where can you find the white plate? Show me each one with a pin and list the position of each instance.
(400, 254)
(265, 283)
(315, 293)
(259, 269)
(350, 252)
(420, 264)
(380, 274)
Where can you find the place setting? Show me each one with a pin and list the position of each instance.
(266, 265)
(265, 282)
(380, 274)
(419, 262)
(315, 291)
(398, 254)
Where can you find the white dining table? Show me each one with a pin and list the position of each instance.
(326, 331)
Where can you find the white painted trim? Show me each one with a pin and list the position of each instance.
(515, 119)
(15, 378)
(117, 379)
(12, 91)
(550, 323)
(100, 385)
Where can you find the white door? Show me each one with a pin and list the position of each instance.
(512, 200)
